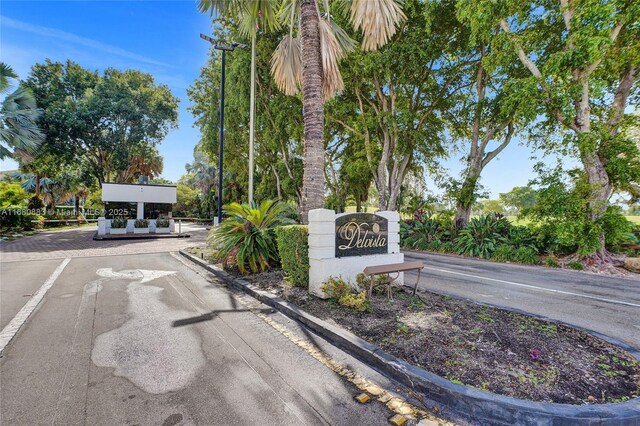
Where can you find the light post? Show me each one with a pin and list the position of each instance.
(224, 49)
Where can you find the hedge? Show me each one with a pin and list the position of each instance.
(19, 219)
(293, 246)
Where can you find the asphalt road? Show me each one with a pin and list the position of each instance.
(605, 304)
(145, 340)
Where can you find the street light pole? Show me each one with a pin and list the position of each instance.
(224, 49)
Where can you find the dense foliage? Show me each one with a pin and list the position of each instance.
(246, 238)
(293, 248)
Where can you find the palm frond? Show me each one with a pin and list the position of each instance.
(331, 54)
(286, 65)
(377, 19)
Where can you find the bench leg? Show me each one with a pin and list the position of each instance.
(415, 287)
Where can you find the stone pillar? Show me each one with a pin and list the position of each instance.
(102, 226)
(140, 212)
(322, 247)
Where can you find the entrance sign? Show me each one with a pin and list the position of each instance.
(342, 245)
(361, 234)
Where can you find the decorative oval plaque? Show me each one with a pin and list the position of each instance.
(361, 234)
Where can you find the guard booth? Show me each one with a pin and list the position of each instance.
(136, 201)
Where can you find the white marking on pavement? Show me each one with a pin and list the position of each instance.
(533, 287)
(10, 330)
(146, 349)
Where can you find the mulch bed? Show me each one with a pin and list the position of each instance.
(487, 348)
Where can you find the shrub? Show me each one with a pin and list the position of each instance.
(575, 265)
(481, 236)
(12, 194)
(35, 203)
(503, 253)
(521, 236)
(356, 301)
(162, 223)
(246, 238)
(119, 223)
(19, 219)
(293, 247)
(141, 223)
(341, 291)
(527, 255)
(419, 233)
(551, 262)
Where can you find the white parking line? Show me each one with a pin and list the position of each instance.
(533, 287)
(10, 330)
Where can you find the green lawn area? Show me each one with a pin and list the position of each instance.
(634, 219)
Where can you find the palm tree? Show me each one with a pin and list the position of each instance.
(310, 57)
(18, 115)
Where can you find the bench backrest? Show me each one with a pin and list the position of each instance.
(392, 267)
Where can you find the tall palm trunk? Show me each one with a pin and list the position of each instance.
(313, 113)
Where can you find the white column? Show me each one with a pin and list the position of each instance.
(140, 213)
(102, 226)
(322, 247)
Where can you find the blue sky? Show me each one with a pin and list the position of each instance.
(161, 38)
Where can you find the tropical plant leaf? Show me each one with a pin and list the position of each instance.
(377, 19)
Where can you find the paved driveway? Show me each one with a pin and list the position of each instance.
(144, 339)
(78, 242)
(605, 304)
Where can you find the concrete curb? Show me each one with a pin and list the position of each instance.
(480, 406)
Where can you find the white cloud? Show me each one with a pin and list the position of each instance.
(72, 38)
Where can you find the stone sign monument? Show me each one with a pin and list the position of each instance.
(360, 234)
(343, 245)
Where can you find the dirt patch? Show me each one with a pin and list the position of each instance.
(487, 348)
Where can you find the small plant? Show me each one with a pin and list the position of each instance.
(485, 316)
(162, 223)
(447, 247)
(336, 288)
(119, 223)
(527, 255)
(551, 262)
(140, 223)
(503, 253)
(481, 236)
(575, 265)
(356, 301)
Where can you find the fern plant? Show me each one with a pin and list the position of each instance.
(245, 239)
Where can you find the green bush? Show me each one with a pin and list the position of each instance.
(341, 291)
(356, 301)
(527, 255)
(162, 223)
(481, 236)
(12, 194)
(19, 219)
(503, 253)
(246, 238)
(551, 262)
(293, 247)
(448, 247)
(141, 223)
(575, 265)
(418, 234)
(119, 223)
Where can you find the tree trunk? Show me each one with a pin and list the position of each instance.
(598, 201)
(313, 114)
(358, 204)
(466, 197)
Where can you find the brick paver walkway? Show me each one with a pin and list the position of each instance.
(78, 242)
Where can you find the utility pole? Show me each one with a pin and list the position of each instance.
(224, 49)
(252, 113)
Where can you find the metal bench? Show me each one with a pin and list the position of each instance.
(392, 268)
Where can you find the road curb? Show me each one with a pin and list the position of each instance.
(479, 406)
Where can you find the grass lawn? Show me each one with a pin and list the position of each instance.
(634, 219)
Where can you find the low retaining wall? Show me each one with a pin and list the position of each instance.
(483, 407)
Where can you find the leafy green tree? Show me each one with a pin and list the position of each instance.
(396, 98)
(18, 116)
(492, 206)
(519, 198)
(582, 63)
(103, 119)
